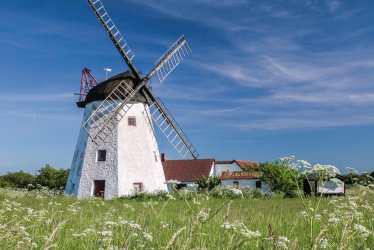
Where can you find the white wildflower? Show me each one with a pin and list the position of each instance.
(362, 230)
(318, 217)
(136, 226)
(170, 197)
(323, 243)
(203, 214)
(303, 214)
(147, 236)
(106, 233)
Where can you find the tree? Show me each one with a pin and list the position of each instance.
(280, 177)
(16, 180)
(51, 177)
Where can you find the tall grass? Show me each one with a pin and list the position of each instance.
(185, 220)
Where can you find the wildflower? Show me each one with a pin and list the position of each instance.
(203, 214)
(147, 236)
(89, 230)
(304, 164)
(303, 214)
(282, 242)
(287, 159)
(164, 224)
(362, 230)
(333, 220)
(106, 233)
(129, 207)
(317, 217)
(136, 226)
(110, 223)
(323, 243)
(250, 234)
(170, 197)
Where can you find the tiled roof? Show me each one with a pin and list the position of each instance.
(187, 170)
(244, 164)
(240, 175)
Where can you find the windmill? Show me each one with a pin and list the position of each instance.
(117, 152)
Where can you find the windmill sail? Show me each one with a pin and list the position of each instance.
(170, 59)
(171, 129)
(114, 34)
(104, 119)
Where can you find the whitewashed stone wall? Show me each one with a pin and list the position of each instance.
(130, 158)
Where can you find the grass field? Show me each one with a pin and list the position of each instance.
(41, 220)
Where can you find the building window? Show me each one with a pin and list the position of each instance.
(258, 184)
(235, 184)
(131, 121)
(101, 155)
(138, 186)
(155, 155)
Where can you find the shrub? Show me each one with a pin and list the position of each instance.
(280, 177)
(208, 183)
(16, 180)
(51, 177)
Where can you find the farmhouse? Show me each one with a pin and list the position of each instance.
(232, 173)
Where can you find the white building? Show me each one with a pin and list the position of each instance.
(126, 162)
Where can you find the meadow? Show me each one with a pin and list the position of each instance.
(39, 219)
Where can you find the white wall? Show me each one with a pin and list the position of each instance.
(248, 183)
(136, 159)
(129, 158)
(331, 187)
(219, 168)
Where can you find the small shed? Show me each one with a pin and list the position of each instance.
(333, 186)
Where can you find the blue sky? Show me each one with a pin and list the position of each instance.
(265, 79)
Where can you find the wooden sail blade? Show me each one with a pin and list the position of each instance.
(171, 129)
(114, 34)
(170, 59)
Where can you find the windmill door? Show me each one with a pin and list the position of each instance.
(99, 188)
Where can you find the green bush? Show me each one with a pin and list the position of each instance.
(207, 183)
(16, 180)
(51, 177)
(280, 177)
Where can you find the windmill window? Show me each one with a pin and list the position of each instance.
(258, 184)
(138, 186)
(131, 121)
(101, 155)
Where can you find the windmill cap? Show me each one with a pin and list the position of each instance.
(103, 89)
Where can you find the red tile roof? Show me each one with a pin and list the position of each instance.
(240, 175)
(187, 170)
(244, 164)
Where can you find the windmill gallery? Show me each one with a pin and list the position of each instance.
(117, 151)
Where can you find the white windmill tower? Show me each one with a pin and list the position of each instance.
(117, 152)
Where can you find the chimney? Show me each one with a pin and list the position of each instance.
(163, 157)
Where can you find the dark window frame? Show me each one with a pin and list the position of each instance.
(131, 121)
(138, 186)
(101, 155)
(258, 184)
